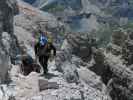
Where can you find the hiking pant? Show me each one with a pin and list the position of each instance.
(44, 62)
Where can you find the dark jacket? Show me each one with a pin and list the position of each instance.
(44, 50)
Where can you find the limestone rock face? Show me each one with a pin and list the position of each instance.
(81, 45)
(8, 8)
(27, 85)
(122, 45)
(69, 82)
(77, 44)
(119, 37)
(64, 55)
(90, 78)
(70, 72)
(4, 58)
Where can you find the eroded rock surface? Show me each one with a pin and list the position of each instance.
(8, 41)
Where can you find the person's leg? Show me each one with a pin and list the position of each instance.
(45, 64)
(41, 60)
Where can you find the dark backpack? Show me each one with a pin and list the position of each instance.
(27, 60)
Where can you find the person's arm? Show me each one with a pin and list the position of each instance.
(54, 49)
(36, 48)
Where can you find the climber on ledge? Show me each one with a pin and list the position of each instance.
(28, 64)
(44, 49)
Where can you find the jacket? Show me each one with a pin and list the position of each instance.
(44, 50)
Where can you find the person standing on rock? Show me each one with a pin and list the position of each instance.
(43, 49)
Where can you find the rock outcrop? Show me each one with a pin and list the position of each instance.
(115, 63)
(8, 41)
(82, 44)
(69, 76)
(121, 45)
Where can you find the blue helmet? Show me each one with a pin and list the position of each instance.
(43, 40)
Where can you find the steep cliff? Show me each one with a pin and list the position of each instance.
(8, 41)
(81, 70)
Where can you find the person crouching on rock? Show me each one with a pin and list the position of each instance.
(28, 64)
(43, 49)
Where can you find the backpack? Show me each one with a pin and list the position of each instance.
(27, 60)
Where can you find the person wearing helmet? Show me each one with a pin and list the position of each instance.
(43, 50)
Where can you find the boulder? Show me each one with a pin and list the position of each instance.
(119, 37)
(81, 44)
(4, 57)
(70, 72)
(64, 55)
(91, 79)
(44, 85)
(27, 86)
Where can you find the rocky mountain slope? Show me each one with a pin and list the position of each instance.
(119, 8)
(68, 84)
(81, 70)
(70, 15)
(78, 11)
(61, 78)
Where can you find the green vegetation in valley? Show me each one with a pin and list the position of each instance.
(54, 8)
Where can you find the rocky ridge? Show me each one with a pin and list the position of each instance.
(80, 71)
(70, 83)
